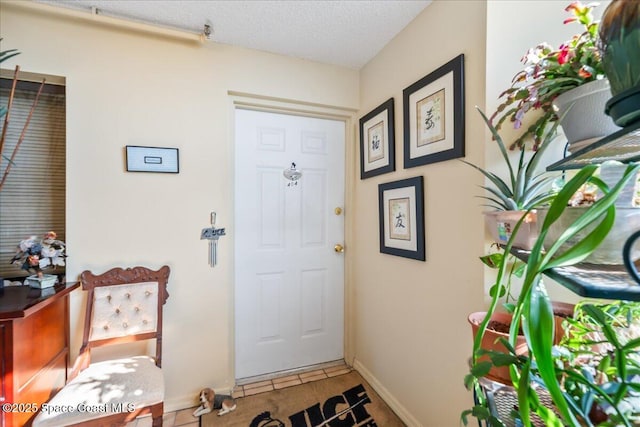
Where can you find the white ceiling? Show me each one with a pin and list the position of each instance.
(341, 32)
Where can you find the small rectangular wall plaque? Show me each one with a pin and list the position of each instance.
(152, 159)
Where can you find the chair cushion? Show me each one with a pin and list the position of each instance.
(123, 310)
(105, 388)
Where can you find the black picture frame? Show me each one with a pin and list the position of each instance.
(401, 218)
(377, 141)
(152, 159)
(433, 107)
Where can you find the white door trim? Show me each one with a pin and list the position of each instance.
(309, 109)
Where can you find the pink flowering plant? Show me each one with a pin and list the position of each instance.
(549, 72)
(34, 254)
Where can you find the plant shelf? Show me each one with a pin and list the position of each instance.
(622, 145)
(611, 282)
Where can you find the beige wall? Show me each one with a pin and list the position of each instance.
(409, 324)
(127, 88)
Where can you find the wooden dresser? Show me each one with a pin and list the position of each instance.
(34, 349)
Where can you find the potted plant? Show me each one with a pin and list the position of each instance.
(533, 312)
(553, 78)
(513, 222)
(602, 346)
(518, 196)
(627, 219)
(620, 43)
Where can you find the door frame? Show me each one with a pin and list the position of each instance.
(241, 100)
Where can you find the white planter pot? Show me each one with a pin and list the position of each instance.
(46, 281)
(627, 221)
(586, 119)
(502, 223)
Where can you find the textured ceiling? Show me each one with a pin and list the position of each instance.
(341, 32)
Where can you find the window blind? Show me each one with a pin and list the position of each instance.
(32, 201)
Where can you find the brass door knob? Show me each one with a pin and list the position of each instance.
(338, 248)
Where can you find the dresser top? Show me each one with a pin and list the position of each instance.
(21, 301)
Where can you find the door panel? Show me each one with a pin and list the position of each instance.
(289, 280)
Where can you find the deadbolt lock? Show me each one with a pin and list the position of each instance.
(338, 210)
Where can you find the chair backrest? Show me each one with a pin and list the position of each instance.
(124, 305)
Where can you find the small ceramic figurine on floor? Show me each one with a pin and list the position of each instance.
(209, 401)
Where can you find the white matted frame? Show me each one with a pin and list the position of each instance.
(401, 217)
(434, 116)
(377, 141)
(152, 159)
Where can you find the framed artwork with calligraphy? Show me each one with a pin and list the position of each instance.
(401, 217)
(434, 116)
(377, 142)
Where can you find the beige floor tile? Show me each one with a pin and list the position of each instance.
(335, 368)
(338, 372)
(168, 419)
(284, 384)
(284, 379)
(311, 373)
(145, 421)
(185, 416)
(257, 385)
(318, 376)
(256, 390)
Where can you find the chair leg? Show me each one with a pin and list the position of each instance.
(157, 411)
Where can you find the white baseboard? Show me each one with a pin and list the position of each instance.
(389, 399)
(180, 402)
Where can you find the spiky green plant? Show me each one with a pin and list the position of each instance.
(524, 189)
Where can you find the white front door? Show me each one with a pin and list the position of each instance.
(289, 279)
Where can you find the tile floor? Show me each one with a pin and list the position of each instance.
(185, 418)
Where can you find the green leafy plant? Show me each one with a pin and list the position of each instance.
(534, 313)
(524, 189)
(506, 269)
(619, 44)
(599, 362)
(534, 305)
(549, 72)
(516, 268)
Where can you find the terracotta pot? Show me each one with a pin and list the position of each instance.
(490, 342)
(561, 310)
